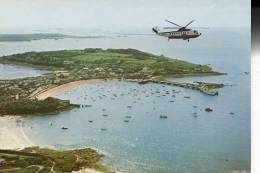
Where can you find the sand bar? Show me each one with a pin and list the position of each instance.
(59, 89)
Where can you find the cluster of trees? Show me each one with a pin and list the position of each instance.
(25, 107)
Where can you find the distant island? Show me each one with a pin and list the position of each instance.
(19, 96)
(39, 36)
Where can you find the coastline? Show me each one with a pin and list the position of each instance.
(12, 136)
(61, 88)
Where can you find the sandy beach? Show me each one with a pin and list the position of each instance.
(12, 135)
(59, 89)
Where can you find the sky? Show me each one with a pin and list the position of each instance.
(122, 14)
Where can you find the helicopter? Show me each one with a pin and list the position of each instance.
(182, 32)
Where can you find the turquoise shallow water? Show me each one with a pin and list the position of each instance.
(215, 142)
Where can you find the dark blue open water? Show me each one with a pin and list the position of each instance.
(214, 142)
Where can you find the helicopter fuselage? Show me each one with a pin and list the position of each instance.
(180, 34)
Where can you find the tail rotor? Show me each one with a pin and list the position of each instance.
(155, 30)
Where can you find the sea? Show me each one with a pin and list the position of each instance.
(122, 119)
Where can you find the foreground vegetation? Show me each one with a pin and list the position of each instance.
(43, 160)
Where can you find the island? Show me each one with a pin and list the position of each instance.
(69, 68)
(19, 96)
(43, 160)
(39, 36)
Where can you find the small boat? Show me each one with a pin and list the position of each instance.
(64, 128)
(103, 129)
(208, 110)
(163, 116)
(195, 115)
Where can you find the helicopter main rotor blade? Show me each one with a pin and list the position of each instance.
(199, 27)
(189, 23)
(173, 23)
(171, 28)
(188, 28)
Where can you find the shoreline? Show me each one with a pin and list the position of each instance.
(61, 88)
(12, 136)
(52, 92)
